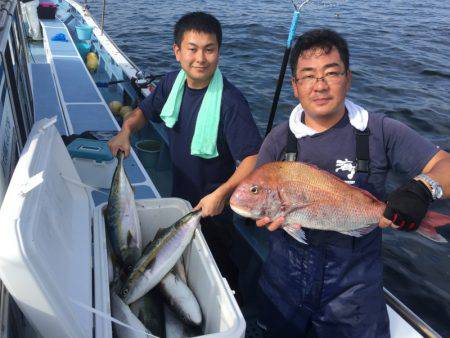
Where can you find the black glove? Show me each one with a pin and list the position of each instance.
(407, 206)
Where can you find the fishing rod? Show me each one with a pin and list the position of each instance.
(284, 63)
(139, 81)
(106, 84)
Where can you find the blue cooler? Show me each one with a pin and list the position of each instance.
(94, 162)
(83, 48)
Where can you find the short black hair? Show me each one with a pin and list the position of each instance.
(198, 22)
(324, 39)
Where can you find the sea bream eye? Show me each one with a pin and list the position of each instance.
(254, 189)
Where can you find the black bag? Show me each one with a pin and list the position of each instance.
(46, 11)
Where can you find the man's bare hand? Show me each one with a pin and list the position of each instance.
(212, 204)
(273, 225)
(120, 142)
(384, 223)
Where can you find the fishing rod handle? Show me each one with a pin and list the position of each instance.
(276, 96)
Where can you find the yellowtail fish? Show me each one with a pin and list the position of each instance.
(160, 256)
(121, 218)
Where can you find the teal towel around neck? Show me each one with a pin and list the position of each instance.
(204, 141)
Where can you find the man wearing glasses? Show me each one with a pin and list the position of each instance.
(333, 286)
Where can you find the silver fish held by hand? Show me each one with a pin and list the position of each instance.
(313, 198)
(160, 256)
(121, 218)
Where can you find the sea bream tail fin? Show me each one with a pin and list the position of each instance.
(431, 233)
(296, 233)
(430, 222)
(435, 219)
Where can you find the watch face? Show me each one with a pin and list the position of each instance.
(439, 192)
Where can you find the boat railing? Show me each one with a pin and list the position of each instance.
(4, 302)
(104, 39)
(7, 9)
(410, 317)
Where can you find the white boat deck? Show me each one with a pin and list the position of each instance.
(45, 96)
(64, 87)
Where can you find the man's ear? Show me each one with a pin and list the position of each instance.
(176, 51)
(295, 87)
(349, 79)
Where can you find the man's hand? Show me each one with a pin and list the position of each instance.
(273, 225)
(407, 206)
(212, 204)
(120, 141)
(134, 122)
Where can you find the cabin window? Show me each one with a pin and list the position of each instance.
(18, 93)
(8, 133)
(22, 61)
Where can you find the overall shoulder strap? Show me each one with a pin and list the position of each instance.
(290, 153)
(362, 150)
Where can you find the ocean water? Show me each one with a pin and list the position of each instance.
(400, 58)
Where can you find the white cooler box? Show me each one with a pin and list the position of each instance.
(53, 257)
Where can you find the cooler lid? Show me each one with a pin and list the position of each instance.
(45, 238)
(90, 149)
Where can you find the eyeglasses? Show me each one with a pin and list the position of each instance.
(308, 81)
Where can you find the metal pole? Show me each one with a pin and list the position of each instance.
(103, 15)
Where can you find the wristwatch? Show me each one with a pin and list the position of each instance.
(434, 187)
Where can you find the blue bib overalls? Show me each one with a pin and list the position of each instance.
(331, 287)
